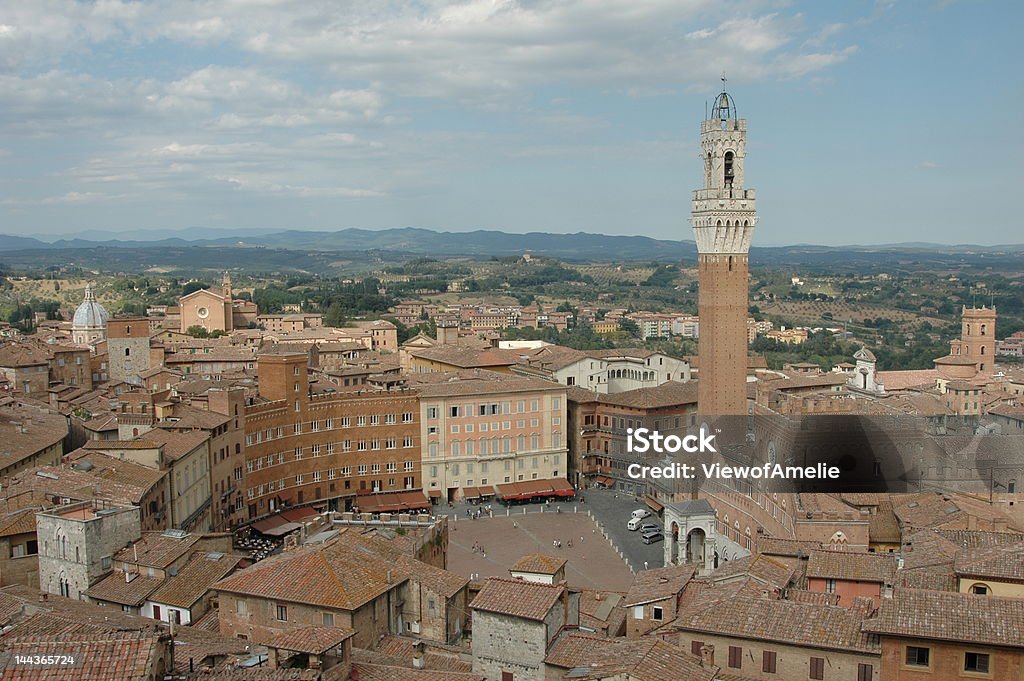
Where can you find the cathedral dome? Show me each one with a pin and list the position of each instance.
(90, 314)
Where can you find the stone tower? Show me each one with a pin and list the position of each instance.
(977, 340)
(723, 224)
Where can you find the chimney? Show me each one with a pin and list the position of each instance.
(418, 661)
(707, 655)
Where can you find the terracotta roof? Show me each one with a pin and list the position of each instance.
(71, 483)
(157, 549)
(669, 394)
(852, 566)
(126, 473)
(765, 618)
(19, 522)
(602, 610)
(105, 653)
(18, 354)
(312, 640)
(517, 598)
(380, 672)
(658, 584)
(114, 588)
(398, 651)
(194, 579)
(1002, 562)
(986, 620)
(903, 380)
(774, 572)
(235, 673)
(647, 659)
(539, 563)
(177, 444)
(25, 431)
(331, 575)
(477, 382)
(467, 358)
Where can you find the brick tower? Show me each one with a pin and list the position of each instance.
(978, 338)
(723, 224)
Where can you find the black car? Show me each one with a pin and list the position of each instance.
(652, 537)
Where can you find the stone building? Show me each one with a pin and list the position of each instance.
(515, 622)
(350, 582)
(724, 216)
(77, 543)
(128, 348)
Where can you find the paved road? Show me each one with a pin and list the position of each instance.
(612, 510)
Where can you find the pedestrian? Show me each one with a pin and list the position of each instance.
(581, 538)
(645, 565)
(570, 543)
(515, 525)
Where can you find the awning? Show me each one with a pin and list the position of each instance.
(533, 489)
(655, 505)
(393, 502)
(434, 494)
(282, 530)
(487, 491)
(471, 492)
(604, 481)
(296, 515)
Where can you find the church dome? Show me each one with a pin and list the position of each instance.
(90, 314)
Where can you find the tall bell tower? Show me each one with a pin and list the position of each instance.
(723, 224)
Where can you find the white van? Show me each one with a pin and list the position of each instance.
(634, 524)
(641, 513)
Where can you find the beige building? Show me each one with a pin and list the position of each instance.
(215, 310)
(482, 428)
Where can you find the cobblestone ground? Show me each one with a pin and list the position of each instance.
(593, 563)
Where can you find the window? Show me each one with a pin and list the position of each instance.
(830, 586)
(658, 613)
(917, 656)
(328, 619)
(865, 672)
(695, 647)
(976, 662)
(507, 676)
(768, 662)
(735, 657)
(817, 668)
(282, 613)
(979, 590)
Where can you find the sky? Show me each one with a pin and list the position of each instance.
(869, 121)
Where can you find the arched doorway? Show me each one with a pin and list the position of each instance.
(695, 541)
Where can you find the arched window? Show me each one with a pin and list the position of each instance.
(729, 172)
(127, 352)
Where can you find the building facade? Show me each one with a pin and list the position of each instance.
(328, 448)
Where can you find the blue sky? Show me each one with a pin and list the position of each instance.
(869, 122)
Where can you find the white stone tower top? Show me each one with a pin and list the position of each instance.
(724, 211)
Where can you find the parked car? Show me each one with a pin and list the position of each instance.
(652, 537)
(642, 513)
(634, 524)
(647, 527)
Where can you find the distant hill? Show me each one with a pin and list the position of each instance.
(290, 249)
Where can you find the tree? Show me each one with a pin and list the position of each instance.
(629, 326)
(193, 286)
(197, 331)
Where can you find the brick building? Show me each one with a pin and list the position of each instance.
(325, 448)
(937, 635)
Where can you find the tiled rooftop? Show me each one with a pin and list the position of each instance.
(951, 616)
(517, 598)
